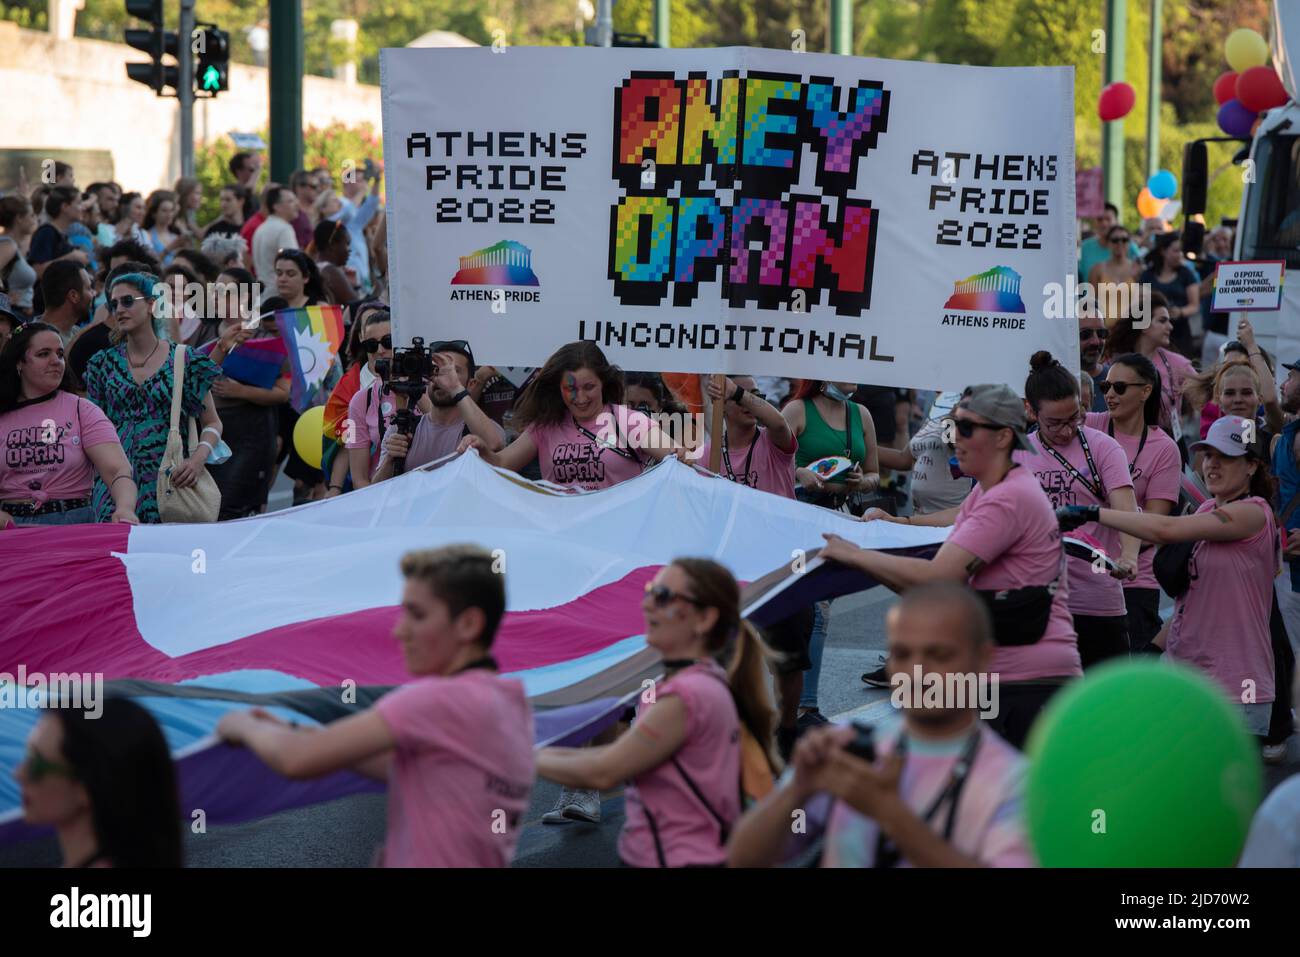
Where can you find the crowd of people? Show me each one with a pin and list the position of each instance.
(1069, 510)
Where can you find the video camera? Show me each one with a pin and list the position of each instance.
(407, 373)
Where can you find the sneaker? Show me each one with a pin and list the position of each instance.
(809, 719)
(785, 739)
(1274, 753)
(878, 678)
(574, 805)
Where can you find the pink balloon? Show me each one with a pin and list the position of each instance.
(1116, 101)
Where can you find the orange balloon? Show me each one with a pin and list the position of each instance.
(1148, 206)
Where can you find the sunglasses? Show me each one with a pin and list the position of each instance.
(1085, 334)
(966, 427)
(372, 345)
(125, 302)
(453, 345)
(661, 596)
(1119, 239)
(1120, 387)
(38, 767)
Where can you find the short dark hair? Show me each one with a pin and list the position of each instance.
(200, 263)
(462, 577)
(271, 196)
(966, 605)
(135, 252)
(301, 177)
(61, 168)
(60, 197)
(61, 277)
(11, 208)
(237, 163)
(1112, 208)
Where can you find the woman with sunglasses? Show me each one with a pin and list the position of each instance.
(104, 780)
(334, 456)
(1006, 545)
(1116, 269)
(55, 441)
(1152, 341)
(132, 383)
(247, 396)
(1077, 465)
(576, 426)
(1132, 418)
(363, 430)
(681, 758)
(1221, 621)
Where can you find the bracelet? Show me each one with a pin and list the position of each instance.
(463, 393)
(214, 430)
(333, 487)
(211, 450)
(738, 396)
(118, 479)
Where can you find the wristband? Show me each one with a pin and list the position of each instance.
(333, 487)
(211, 450)
(463, 393)
(214, 430)
(738, 396)
(118, 479)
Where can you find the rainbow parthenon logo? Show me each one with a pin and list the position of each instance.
(506, 263)
(994, 290)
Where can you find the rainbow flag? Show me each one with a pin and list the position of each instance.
(255, 362)
(312, 336)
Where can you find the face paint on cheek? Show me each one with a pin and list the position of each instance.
(570, 387)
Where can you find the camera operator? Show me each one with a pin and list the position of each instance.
(946, 791)
(453, 414)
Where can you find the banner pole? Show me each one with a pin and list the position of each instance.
(715, 428)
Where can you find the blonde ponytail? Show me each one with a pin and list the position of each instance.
(747, 678)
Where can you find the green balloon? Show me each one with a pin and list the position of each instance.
(1141, 764)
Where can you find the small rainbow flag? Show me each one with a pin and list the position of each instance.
(312, 336)
(256, 362)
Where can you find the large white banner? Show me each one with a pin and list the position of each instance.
(733, 210)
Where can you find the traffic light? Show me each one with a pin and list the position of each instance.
(156, 42)
(212, 66)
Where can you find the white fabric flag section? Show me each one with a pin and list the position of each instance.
(733, 210)
(218, 583)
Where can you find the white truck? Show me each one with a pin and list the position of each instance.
(1268, 227)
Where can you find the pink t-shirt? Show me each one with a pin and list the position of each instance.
(710, 754)
(363, 413)
(1013, 529)
(1091, 593)
(1157, 476)
(769, 469)
(1221, 623)
(45, 448)
(987, 822)
(569, 456)
(462, 771)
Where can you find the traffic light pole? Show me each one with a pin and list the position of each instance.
(286, 88)
(185, 89)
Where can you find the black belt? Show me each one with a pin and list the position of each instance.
(25, 510)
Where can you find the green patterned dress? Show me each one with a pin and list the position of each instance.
(142, 414)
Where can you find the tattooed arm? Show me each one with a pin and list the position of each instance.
(1226, 523)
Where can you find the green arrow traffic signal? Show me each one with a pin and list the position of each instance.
(212, 78)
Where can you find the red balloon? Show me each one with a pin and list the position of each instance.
(1116, 101)
(1260, 89)
(1225, 87)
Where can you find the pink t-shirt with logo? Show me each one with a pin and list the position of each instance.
(1091, 593)
(769, 469)
(987, 821)
(462, 772)
(567, 455)
(1013, 529)
(45, 448)
(1157, 475)
(710, 754)
(1221, 623)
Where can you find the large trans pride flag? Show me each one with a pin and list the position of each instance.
(293, 611)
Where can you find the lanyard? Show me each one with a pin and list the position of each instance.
(726, 458)
(1095, 486)
(629, 454)
(1142, 443)
(887, 852)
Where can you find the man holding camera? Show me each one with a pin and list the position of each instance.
(451, 415)
(944, 792)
